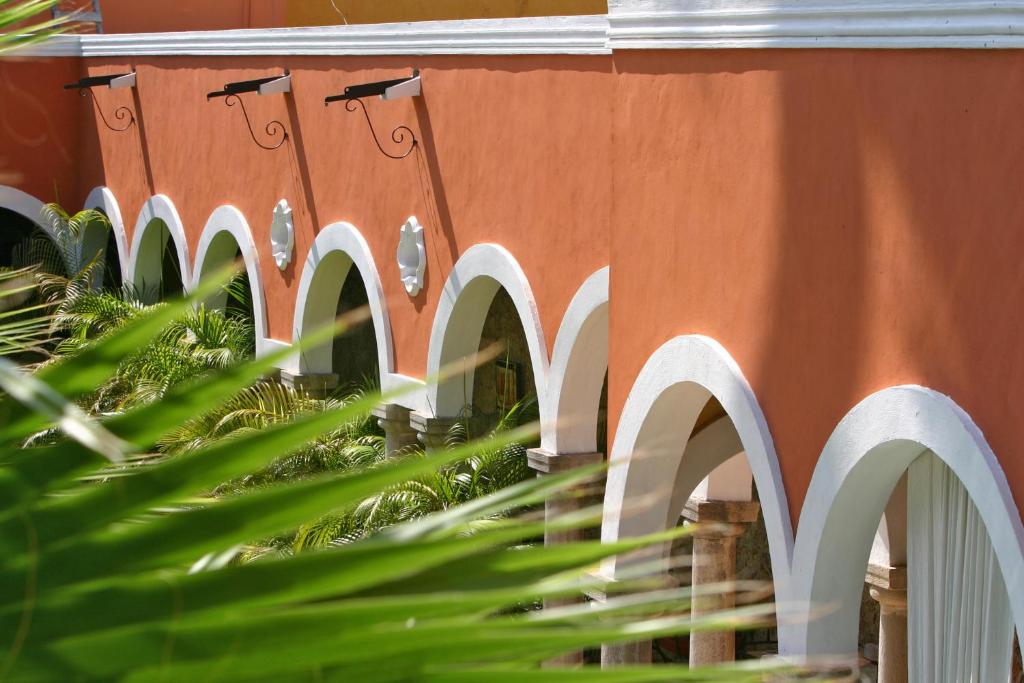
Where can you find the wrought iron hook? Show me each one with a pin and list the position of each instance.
(397, 135)
(121, 113)
(272, 129)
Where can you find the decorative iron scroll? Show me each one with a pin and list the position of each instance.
(272, 129)
(398, 135)
(122, 114)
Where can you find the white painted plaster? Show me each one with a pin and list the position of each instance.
(579, 362)
(526, 35)
(858, 469)
(653, 471)
(730, 481)
(102, 199)
(24, 204)
(721, 24)
(225, 231)
(630, 24)
(145, 267)
(336, 249)
(459, 321)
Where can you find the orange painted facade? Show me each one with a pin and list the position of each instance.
(836, 234)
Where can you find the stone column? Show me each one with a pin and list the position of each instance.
(888, 587)
(313, 385)
(398, 433)
(546, 462)
(714, 561)
(432, 432)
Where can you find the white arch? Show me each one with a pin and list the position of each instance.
(859, 467)
(158, 207)
(102, 199)
(341, 246)
(213, 252)
(24, 204)
(579, 362)
(459, 320)
(649, 453)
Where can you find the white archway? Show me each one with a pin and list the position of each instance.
(24, 204)
(102, 199)
(649, 456)
(859, 467)
(336, 249)
(225, 233)
(579, 362)
(459, 321)
(144, 264)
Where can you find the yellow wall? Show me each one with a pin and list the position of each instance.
(320, 12)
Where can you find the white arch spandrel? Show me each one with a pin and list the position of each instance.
(648, 455)
(102, 199)
(579, 362)
(159, 207)
(860, 465)
(459, 321)
(225, 230)
(317, 300)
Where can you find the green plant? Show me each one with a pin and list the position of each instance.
(116, 570)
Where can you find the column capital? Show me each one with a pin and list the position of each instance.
(314, 385)
(546, 462)
(432, 431)
(721, 511)
(392, 412)
(887, 578)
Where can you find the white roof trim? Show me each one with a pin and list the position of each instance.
(630, 24)
(532, 35)
(681, 24)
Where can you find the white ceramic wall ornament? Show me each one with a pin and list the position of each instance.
(412, 256)
(282, 234)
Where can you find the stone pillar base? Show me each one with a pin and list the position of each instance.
(312, 385)
(546, 462)
(888, 587)
(432, 432)
(399, 435)
(714, 561)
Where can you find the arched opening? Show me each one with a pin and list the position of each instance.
(336, 287)
(505, 383)
(158, 271)
(98, 240)
(354, 353)
(937, 608)
(692, 446)
(16, 231)
(964, 539)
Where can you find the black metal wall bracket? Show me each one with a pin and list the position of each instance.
(387, 90)
(260, 86)
(85, 85)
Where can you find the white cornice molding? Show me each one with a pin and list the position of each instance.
(534, 35)
(688, 24)
(630, 24)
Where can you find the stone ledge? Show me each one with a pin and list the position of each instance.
(546, 462)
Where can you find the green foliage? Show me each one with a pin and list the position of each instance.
(116, 570)
(23, 13)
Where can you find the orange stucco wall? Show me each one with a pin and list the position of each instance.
(841, 221)
(499, 161)
(40, 127)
